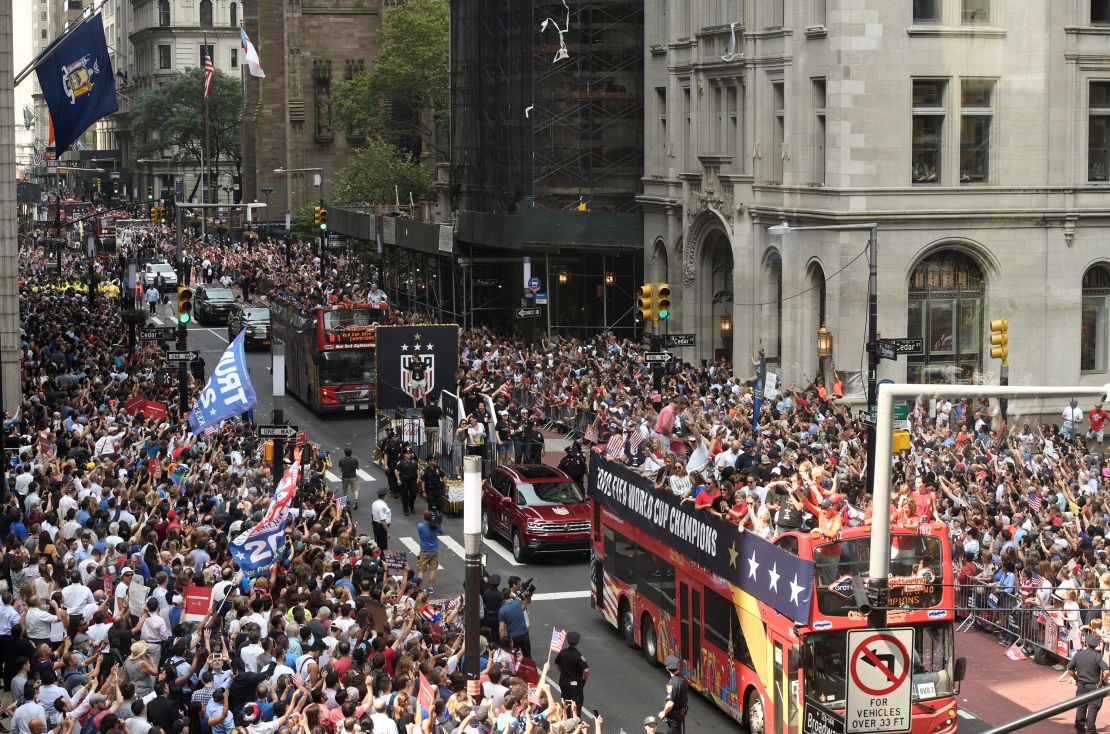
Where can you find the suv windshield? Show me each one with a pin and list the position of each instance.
(256, 314)
(219, 294)
(549, 493)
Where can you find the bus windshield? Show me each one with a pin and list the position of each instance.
(915, 562)
(933, 670)
(352, 365)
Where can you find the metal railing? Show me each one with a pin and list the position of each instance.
(1045, 633)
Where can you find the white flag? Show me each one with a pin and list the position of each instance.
(250, 55)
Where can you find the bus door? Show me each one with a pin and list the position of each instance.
(689, 614)
(787, 692)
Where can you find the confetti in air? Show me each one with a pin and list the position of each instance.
(731, 45)
(562, 53)
(528, 110)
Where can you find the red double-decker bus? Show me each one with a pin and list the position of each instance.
(329, 351)
(762, 628)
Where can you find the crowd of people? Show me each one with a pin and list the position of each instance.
(336, 640)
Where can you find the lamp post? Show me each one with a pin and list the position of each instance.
(824, 350)
(472, 540)
(266, 191)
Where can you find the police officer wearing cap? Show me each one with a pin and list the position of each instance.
(573, 671)
(391, 454)
(678, 698)
(433, 478)
(1089, 671)
(406, 472)
(574, 464)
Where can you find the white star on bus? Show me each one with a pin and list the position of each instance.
(795, 590)
(753, 566)
(774, 574)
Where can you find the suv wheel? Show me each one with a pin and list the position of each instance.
(520, 553)
(487, 532)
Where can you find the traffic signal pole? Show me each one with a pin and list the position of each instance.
(183, 370)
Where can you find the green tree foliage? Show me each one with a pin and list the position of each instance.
(169, 121)
(371, 175)
(411, 71)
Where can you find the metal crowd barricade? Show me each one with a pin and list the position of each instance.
(1021, 621)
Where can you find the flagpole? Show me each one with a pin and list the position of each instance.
(205, 158)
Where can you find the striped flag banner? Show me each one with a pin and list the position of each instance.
(558, 637)
(533, 696)
(209, 73)
(1035, 502)
(615, 447)
(591, 433)
(635, 440)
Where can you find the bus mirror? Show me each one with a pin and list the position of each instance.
(960, 670)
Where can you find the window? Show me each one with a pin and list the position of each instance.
(620, 557)
(656, 580)
(778, 14)
(819, 101)
(206, 51)
(1098, 131)
(687, 131)
(42, 17)
(164, 13)
(778, 141)
(719, 118)
(926, 11)
(975, 12)
(732, 137)
(163, 57)
(661, 104)
(928, 125)
(722, 627)
(42, 33)
(975, 129)
(234, 58)
(945, 310)
(1100, 12)
(819, 12)
(206, 12)
(1093, 324)
(234, 14)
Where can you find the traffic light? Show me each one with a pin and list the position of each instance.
(662, 301)
(317, 215)
(1000, 339)
(323, 219)
(150, 193)
(184, 304)
(154, 215)
(645, 302)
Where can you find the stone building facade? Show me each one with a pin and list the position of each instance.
(305, 46)
(975, 133)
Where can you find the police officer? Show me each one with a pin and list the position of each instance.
(574, 464)
(678, 695)
(432, 478)
(573, 671)
(406, 473)
(1089, 671)
(391, 454)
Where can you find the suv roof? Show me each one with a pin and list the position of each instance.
(531, 472)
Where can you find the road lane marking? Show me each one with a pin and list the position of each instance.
(414, 548)
(330, 476)
(556, 595)
(458, 550)
(364, 476)
(218, 335)
(156, 320)
(964, 714)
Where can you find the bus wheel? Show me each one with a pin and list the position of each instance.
(755, 718)
(649, 641)
(624, 618)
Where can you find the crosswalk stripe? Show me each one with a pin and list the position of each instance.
(964, 714)
(364, 476)
(461, 553)
(453, 546)
(556, 595)
(330, 476)
(156, 320)
(414, 548)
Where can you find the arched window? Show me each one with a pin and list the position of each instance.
(164, 13)
(206, 13)
(1093, 326)
(946, 311)
(234, 14)
(772, 300)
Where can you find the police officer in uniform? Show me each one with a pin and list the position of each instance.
(1089, 670)
(573, 672)
(678, 698)
(432, 477)
(574, 464)
(406, 473)
(391, 453)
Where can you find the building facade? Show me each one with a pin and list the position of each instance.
(304, 46)
(976, 134)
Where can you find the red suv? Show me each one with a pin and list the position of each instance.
(538, 508)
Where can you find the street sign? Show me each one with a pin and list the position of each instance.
(657, 357)
(541, 299)
(900, 412)
(181, 356)
(534, 285)
(277, 432)
(528, 313)
(165, 378)
(866, 418)
(671, 341)
(905, 346)
(820, 720)
(156, 333)
(879, 681)
(887, 351)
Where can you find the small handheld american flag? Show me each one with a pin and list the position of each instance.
(635, 439)
(615, 446)
(533, 696)
(558, 637)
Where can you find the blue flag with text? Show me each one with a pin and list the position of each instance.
(257, 550)
(77, 82)
(228, 393)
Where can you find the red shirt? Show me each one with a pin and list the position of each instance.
(1097, 418)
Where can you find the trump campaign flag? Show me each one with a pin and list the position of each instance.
(257, 550)
(77, 82)
(229, 391)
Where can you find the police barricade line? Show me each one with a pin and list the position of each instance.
(1042, 632)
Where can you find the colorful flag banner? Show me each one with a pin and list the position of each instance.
(427, 695)
(1015, 653)
(250, 55)
(229, 391)
(256, 550)
(615, 446)
(209, 73)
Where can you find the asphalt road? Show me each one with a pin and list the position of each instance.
(623, 687)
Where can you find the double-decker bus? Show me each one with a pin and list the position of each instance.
(761, 627)
(329, 351)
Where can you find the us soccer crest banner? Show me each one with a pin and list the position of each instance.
(77, 82)
(415, 363)
(229, 391)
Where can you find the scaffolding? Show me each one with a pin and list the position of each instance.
(532, 131)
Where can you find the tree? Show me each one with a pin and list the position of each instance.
(169, 121)
(371, 175)
(410, 79)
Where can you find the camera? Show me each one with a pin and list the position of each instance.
(528, 587)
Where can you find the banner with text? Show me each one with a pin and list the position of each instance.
(772, 575)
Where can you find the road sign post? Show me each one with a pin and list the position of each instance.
(283, 432)
(657, 357)
(528, 313)
(820, 720)
(880, 693)
(673, 341)
(156, 333)
(181, 354)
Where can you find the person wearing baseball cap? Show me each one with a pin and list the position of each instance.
(650, 724)
(678, 697)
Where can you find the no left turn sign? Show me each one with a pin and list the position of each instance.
(879, 694)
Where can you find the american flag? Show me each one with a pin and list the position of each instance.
(558, 637)
(635, 440)
(298, 679)
(615, 447)
(533, 696)
(209, 73)
(1034, 501)
(591, 433)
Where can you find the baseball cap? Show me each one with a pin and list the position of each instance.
(1092, 640)
(671, 662)
(649, 720)
(573, 638)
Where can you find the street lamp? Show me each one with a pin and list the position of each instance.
(824, 342)
(610, 278)
(726, 327)
(564, 276)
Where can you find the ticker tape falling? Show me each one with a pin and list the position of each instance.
(562, 53)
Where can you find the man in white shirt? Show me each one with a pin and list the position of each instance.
(382, 518)
(252, 650)
(39, 620)
(1072, 417)
(76, 595)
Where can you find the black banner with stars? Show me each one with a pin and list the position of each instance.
(415, 362)
(772, 575)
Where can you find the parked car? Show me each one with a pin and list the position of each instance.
(151, 271)
(538, 508)
(212, 303)
(255, 318)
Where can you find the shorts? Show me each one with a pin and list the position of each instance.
(1096, 435)
(427, 561)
